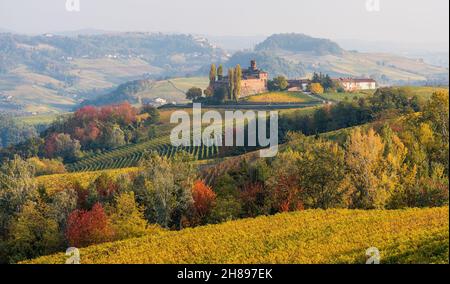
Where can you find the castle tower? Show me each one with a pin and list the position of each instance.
(253, 66)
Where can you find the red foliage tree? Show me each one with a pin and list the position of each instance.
(86, 228)
(204, 199)
(50, 145)
(287, 195)
(86, 114)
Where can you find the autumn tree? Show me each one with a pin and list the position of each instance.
(102, 190)
(316, 88)
(284, 183)
(86, 228)
(364, 163)
(127, 218)
(62, 145)
(33, 233)
(204, 200)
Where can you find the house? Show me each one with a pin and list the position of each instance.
(254, 81)
(298, 85)
(352, 84)
(154, 101)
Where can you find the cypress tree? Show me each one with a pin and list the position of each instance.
(231, 83)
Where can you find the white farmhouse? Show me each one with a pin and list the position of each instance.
(351, 84)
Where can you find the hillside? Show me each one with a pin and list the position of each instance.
(141, 91)
(307, 55)
(52, 73)
(312, 236)
(299, 43)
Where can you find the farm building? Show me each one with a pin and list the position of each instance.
(351, 84)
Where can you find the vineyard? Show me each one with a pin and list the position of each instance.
(131, 155)
(307, 237)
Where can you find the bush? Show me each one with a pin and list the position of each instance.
(47, 166)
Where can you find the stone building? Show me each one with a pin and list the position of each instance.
(254, 81)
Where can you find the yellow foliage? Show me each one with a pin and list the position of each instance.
(316, 88)
(62, 181)
(279, 97)
(313, 236)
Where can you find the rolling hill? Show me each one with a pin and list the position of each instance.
(53, 73)
(306, 55)
(140, 91)
(307, 237)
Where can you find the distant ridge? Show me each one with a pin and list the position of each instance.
(299, 43)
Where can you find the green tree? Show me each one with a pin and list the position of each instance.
(279, 83)
(17, 186)
(194, 94)
(165, 188)
(321, 171)
(113, 136)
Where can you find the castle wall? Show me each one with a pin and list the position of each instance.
(253, 86)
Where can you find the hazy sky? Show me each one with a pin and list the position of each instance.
(396, 20)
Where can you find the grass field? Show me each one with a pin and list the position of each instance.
(338, 97)
(423, 92)
(307, 237)
(280, 97)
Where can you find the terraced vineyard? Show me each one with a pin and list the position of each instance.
(131, 155)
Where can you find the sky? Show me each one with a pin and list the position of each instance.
(407, 21)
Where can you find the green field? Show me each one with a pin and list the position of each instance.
(174, 89)
(306, 237)
(423, 92)
(338, 97)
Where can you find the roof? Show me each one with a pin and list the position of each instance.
(357, 80)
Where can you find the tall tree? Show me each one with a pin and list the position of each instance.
(167, 188)
(237, 82)
(212, 74)
(364, 161)
(231, 83)
(220, 72)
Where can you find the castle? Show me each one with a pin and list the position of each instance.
(254, 81)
